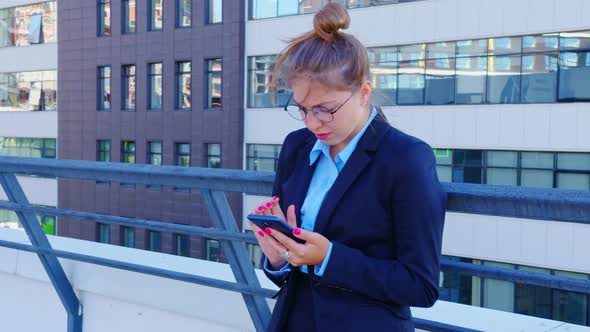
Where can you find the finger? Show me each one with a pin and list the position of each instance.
(276, 208)
(307, 236)
(291, 216)
(272, 241)
(284, 240)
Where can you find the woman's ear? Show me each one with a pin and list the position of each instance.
(365, 92)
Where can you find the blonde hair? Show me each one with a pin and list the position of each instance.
(325, 54)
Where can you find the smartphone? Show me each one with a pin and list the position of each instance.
(275, 223)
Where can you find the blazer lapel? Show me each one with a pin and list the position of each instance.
(355, 165)
(303, 179)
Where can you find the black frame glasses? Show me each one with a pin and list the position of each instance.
(323, 114)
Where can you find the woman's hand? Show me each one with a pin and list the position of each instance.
(267, 243)
(274, 243)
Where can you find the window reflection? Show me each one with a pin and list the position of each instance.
(28, 25)
(28, 91)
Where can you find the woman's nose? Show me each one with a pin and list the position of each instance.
(312, 122)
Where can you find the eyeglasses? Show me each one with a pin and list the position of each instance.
(323, 114)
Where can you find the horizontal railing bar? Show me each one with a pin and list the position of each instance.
(433, 326)
(212, 233)
(248, 182)
(507, 201)
(154, 271)
(517, 276)
(519, 202)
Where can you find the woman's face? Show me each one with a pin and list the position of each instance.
(348, 120)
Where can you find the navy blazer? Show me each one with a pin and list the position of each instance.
(384, 215)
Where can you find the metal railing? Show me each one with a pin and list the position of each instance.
(546, 204)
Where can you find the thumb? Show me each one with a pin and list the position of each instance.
(291, 216)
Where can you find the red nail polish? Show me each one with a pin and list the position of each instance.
(268, 204)
(297, 231)
(275, 198)
(261, 233)
(260, 208)
(267, 230)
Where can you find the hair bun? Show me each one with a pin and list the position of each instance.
(331, 18)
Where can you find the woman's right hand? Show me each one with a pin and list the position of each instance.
(271, 248)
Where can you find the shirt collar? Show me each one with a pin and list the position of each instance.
(323, 148)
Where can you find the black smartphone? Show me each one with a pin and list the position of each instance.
(275, 223)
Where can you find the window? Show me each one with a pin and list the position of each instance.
(384, 66)
(103, 233)
(28, 91)
(410, 79)
(104, 88)
(215, 11)
(262, 157)
(154, 153)
(574, 76)
(155, 86)
(128, 152)
(213, 155)
(183, 154)
(573, 170)
(154, 241)
(213, 83)
(183, 85)
(444, 164)
(48, 223)
(28, 25)
(104, 17)
(183, 13)
(537, 169)
(181, 247)
(539, 78)
(9, 219)
(156, 15)
(254, 252)
(103, 150)
(212, 250)
(440, 74)
(129, 16)
(154, 157)
(128, 85)
(28, 147)
(502, 168)
(468, 166)
(127, 237)
(503, 85)
(259, 71)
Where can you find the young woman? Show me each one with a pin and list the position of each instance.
(363, 195)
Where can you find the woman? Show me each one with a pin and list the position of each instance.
(363, 195)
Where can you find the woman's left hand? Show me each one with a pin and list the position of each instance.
(312, 252)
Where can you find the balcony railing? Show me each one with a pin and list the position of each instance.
(545, 204)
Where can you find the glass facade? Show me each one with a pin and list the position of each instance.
(104, 18)
(215, 11)
(183, 85)
(565, 170)
(156, 15)
(214, 71)
(103, 150)
(127, 237)
(128, 152)
(154, 241)
(28, 25)
(565, 306)
(182, 154)
(28, 91)
(9, 219)
(129, 16)
(545, 68)
(103, 100)
(103, 233)
(128, 87)
(183, 13)
(262, 157)
(155, 86)
(212, 250)
(28, 147)
(259, 77)
(181, 245)
(260, 9)
(213, 155)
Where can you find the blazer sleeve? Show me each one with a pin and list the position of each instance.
(418, 207)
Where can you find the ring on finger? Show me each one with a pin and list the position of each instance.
(285, 255)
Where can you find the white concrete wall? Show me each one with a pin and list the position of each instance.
(14, 3)
(40, 191)
(122, 301)
(28, 124)
(28, 58)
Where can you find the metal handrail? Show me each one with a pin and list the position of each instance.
(545, 204)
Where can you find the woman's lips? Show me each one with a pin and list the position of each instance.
(322, 136)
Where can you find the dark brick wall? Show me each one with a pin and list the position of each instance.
(80, 125)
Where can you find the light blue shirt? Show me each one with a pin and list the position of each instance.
(323, 178)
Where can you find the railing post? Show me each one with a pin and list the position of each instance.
(52, 266)
(236, 253)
